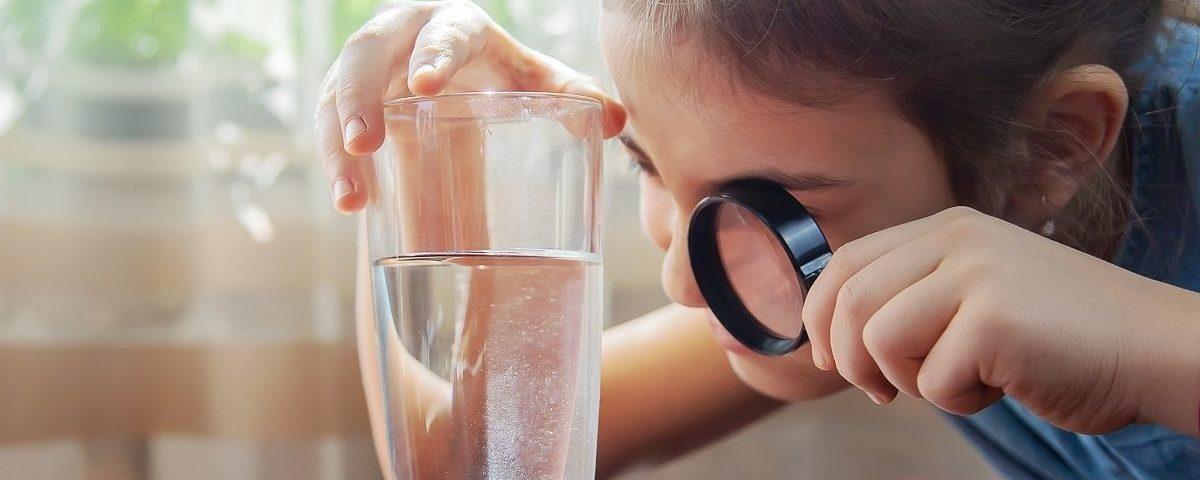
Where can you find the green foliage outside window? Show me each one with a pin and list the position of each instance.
(148, 32)
(350, 14)
(131, 31)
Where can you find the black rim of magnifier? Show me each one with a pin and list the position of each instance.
(794, 229)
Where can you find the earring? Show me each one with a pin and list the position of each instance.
(1049, 227)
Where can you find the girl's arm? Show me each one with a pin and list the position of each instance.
(667, 389)
(1170, 373)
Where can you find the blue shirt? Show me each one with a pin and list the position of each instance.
(1164, 244)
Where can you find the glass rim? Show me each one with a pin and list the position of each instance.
(580, 100)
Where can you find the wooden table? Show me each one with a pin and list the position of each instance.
(125, 395)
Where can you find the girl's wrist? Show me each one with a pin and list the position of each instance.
(1170, 377)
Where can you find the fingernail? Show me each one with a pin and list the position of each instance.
(355, 127)
(819, 360)
(424, 70)
(876, 398)
(341, 188)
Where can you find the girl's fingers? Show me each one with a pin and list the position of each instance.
(364, 71)
(566, 80)
(347, 183)
(861, 296)
(435, 40)
(847, 261)
(614, 113)
(822, 298)
(454, 37)
(462, 34)
(902, 332)
(551, 75)
(950, 375)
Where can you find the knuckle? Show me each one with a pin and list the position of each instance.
(457, 23)
(445, 37)
(370, 34)
(972, 266)
(841, 259)
(848, 253)
(877, 342)
(455, 33)
(966, 227)
(933, 388)
(960, 211)
(435, 48)
(347, 90)
(331, 157)
(328, 98)
(991, 325)
(849, 297)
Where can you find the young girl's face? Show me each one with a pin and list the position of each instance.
(859, 167)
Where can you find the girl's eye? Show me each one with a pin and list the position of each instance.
(639, 165)
(638, 161)
(633, 164)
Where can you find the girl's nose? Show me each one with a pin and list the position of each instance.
(678, 281)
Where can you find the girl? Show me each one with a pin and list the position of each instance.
(1010, 188)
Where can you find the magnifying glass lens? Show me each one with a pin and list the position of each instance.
(754, 251)
(759, 270)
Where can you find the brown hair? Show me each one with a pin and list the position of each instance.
(962, 71)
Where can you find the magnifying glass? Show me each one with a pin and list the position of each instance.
(755, 251)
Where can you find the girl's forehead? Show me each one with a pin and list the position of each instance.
(700, 103)
(687, 74)
(684, 79)
(689, 108)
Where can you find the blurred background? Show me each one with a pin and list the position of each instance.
(175, 289)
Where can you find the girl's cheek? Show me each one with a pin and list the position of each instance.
(657, 211)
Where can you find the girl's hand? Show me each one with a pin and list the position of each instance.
(425, 48)
(961, 308)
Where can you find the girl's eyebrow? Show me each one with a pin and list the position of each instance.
(807, 181)
(790, 181)
(639, 154)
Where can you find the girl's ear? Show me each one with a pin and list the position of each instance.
(1077, 122)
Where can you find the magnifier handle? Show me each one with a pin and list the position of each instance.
(812, 269)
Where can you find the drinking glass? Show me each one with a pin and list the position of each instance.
(483, 229)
